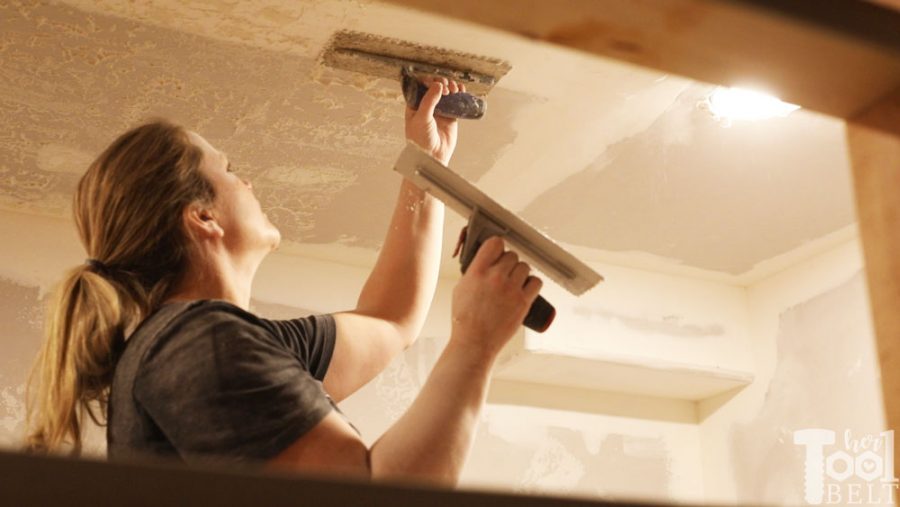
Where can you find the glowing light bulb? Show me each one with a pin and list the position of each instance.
(743, 104)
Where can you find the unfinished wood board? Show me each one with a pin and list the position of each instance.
(875, 156)
(38, 480)
(842, 57)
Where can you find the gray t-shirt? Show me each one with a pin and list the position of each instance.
(206, 380)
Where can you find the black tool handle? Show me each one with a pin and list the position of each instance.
(455, 105)
(540, 315)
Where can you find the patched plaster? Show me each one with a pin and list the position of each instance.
(604, 156)
(822, 378)
(317, 143)
(698, 192)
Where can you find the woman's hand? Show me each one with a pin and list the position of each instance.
(491, 299)
(435, 134)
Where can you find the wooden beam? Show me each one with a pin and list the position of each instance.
(38, 481)
(836, 57)
(874, 141)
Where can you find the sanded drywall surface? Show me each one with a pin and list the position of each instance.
(605, 156)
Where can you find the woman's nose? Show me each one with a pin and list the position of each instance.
(249, 185)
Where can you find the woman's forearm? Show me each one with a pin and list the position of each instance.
(431, 440)
(401, 286)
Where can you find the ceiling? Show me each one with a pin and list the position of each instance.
(609, 159)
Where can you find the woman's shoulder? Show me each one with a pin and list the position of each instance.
(184, 324)
(210, 310)
(177, 313)
(200, 317)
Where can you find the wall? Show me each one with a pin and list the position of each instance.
(805, 333)
(557, 446)
(564, 448)
(647, 315)
(20, 311)
(540, 439)
(813, 347)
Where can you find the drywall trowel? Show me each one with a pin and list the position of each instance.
(488, 218)
(410, 63)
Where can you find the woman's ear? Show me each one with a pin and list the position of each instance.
(200, 222)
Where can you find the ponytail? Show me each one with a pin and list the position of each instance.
(85, 337)
(128, 209)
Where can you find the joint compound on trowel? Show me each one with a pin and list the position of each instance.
(409, 62)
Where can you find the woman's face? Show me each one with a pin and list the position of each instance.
(236, 209)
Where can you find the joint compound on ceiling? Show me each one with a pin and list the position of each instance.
(603, 156)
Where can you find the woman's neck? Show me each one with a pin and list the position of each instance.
(219, 278)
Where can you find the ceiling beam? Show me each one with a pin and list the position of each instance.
(835, 57)
(873, 140)
(44, 480)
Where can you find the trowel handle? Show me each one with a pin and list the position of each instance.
(455, 105)
(541, 313)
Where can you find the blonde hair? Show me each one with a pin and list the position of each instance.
(128, 210)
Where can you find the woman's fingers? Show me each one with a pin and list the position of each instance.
(532, 287)
(520, 273)
(507, 262)
(487, 254)
(431, 98)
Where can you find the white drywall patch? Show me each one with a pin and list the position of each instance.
(21, 311)
(563, 452)
(817, 383)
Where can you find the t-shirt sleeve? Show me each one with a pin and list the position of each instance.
(310, 338)
(223, 387)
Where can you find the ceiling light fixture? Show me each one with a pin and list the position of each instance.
(744, 104)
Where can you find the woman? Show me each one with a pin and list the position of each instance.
(152, 333)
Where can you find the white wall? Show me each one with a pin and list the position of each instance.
(805, 333)
(538, 438)
(813, 346)
(647, 315)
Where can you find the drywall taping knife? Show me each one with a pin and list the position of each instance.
(488, 218)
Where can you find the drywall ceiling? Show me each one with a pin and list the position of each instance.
(605, 157)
